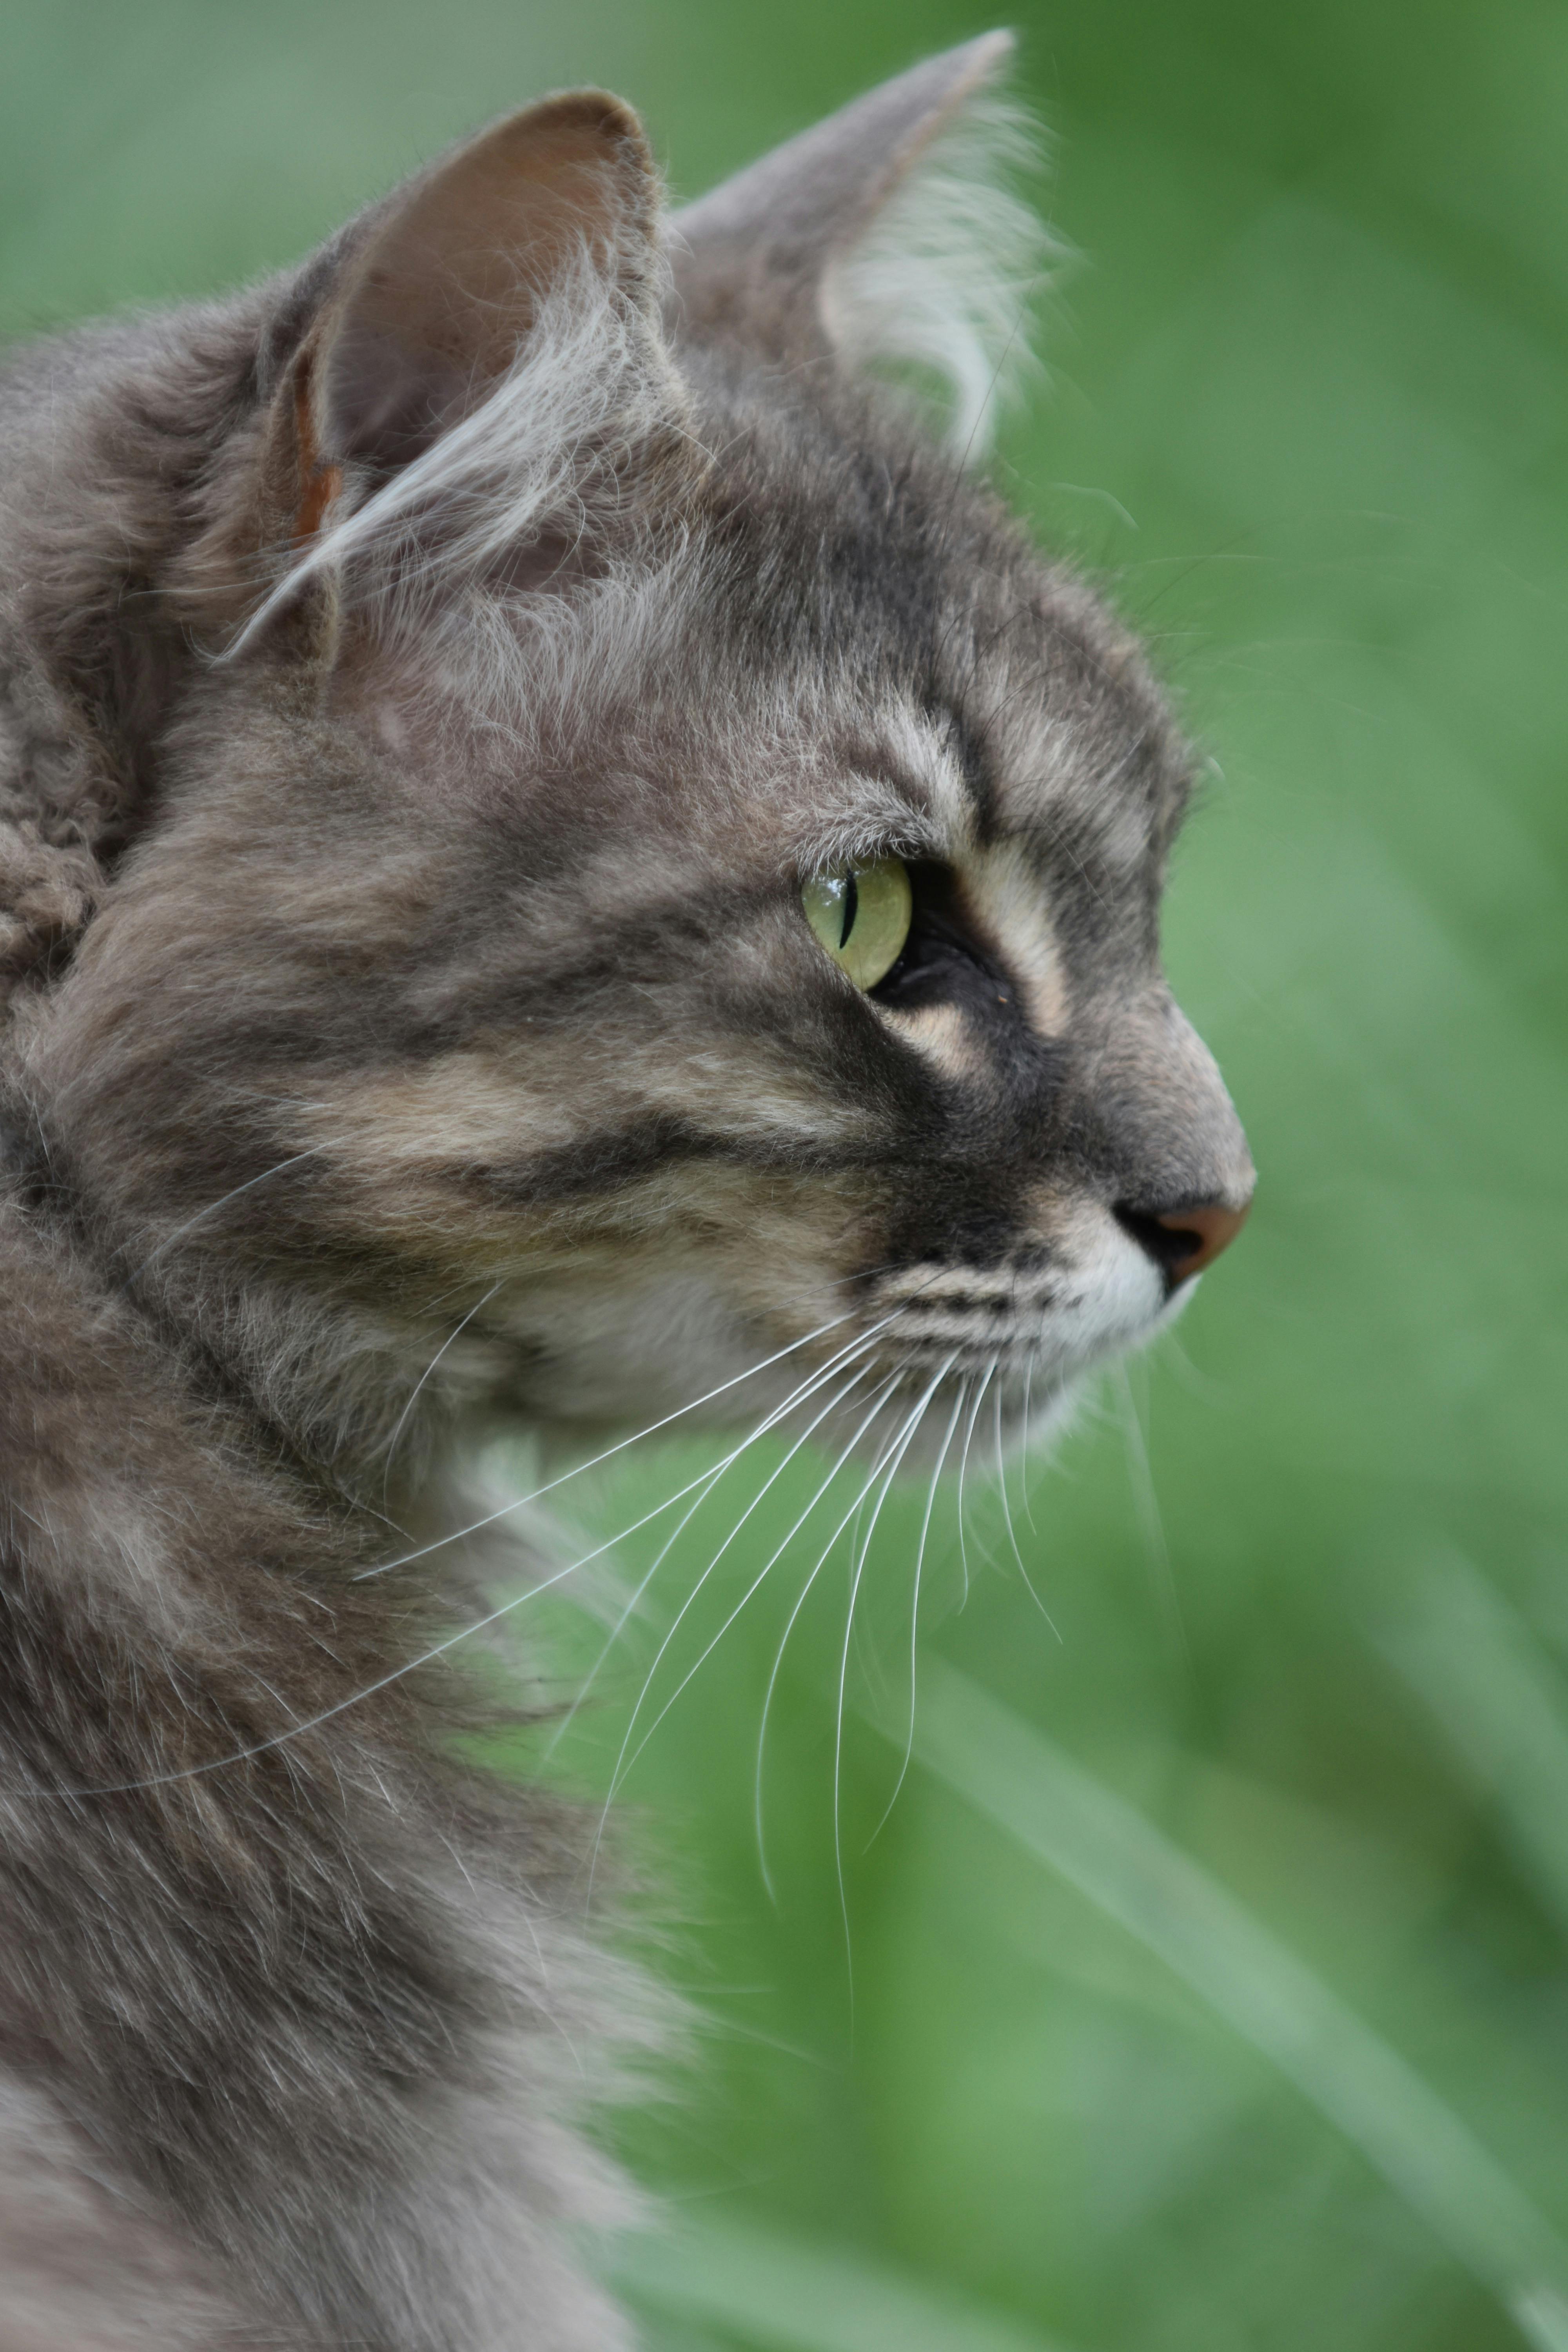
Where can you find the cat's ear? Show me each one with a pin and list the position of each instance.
(478, 344)
(888, 233)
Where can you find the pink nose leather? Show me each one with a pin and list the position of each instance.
(1209, 1230)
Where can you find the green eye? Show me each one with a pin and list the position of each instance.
(861, 916)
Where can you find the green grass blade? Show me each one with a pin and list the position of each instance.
(1127, 1867)
(1499, 1702)
(785, 2293)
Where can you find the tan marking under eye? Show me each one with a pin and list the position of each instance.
(946, 1037)
(1008, 904)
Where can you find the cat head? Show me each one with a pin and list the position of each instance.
(647, 870)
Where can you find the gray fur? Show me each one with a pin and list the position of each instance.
(403, 800)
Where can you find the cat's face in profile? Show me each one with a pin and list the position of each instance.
(669, 872)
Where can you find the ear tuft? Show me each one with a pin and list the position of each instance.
(943, 282)
(890, 234)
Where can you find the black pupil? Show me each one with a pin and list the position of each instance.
(851, 909)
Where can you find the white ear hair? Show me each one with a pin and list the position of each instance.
(946, 274)
(590, 385)
(888, 233)
(485, 360)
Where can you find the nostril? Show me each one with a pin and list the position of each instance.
(1183, 1242)
(1167, 1249)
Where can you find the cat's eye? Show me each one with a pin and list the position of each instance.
(861, 915)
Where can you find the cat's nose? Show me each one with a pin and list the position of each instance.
(1173, 1161)
(1183, 1242)
(1198, 1235)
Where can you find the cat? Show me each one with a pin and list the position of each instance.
(560, 862)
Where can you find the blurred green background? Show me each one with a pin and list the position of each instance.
(1207, 1986)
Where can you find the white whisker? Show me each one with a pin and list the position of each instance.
(905, 1440)
(915, 1610)
(875, 1472)
(419, 1386)
(578, 1469)
(384, 1682)
(1156, 1550)
(213, 1207)
(1008, 1517)
(439, 1650)
(962, 1466)
(625, 1762)
(796, 1398)
(623, 1765)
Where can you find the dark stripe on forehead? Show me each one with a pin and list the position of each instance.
(968, 746)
